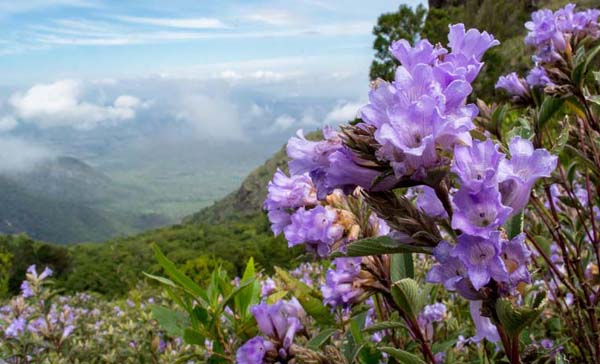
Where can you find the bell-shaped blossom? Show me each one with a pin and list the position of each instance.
(467, 49)
(429, 203)
(344, 173)
(16, 328)
(428, 316)
(479, 213)
(449, 270)
(512, 84)
(26, 289)
(537, 77)
(340, 288)
(484, 328)
(481, 257)
(253, 351)
(382, 99)
(268, 286)
(285, 194)
(516, 257)
(477, 165)
(311, 156)
(423, 52)
(317, 228)
(33, 275)
(519, 174)
(280, 321)
(550, 31)
(471, 43)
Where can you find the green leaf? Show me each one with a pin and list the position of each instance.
(382, 245)
(403, 357)
(234, 293)
(407, 296)
(385, 325)
(193, 337)
(250, 295)
(162, 280)
(277, 296)
(514, 225)
(401, 266)
(317, 310)
(321, 338)
(174, 322)
(515, 319)
(178, 277)
(550, 106)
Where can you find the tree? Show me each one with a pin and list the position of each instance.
(406, 23)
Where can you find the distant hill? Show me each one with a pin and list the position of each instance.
(63, 200)
(248, 199)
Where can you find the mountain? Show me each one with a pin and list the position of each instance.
(248, 199)
(65, 200)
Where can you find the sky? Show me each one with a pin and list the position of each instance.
(75, 71)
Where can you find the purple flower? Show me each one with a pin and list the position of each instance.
(429, 315)
(468, 47)
(279, 321)
(519, 174)
(313, 157)
(16, 327)
(542, 27)
(512, 84)
(481, 257)
(253, 351)
(26, 289)
(449, 270)
(345, 173)
(537, 76)
(382, 99)
(433, 313)
(339, 289)
(479, 213)
(422, 52)
(317, 228)
(429, 203)
(268, 286)
(516, 257)
(472, 43)
(484, 327)
(287, 193)
(477, 165)
(33, 273)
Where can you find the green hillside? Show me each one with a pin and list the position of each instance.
(247, 200)
(64, 200)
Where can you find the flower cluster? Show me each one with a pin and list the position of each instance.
(423, 111)
(279, 323)
(492, 188)
(42, 326)
(551, 32)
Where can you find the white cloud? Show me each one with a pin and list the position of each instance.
(61, 104)
(343, 112)
(18, 154)
(12, 6)
(284, 122)
(257, 75)
(7, 123)
(187, 23)
(211, 117)
(271, 17)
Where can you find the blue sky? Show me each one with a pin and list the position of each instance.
(43, 40)
(79, 74)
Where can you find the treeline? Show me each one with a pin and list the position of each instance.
(114, 267)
